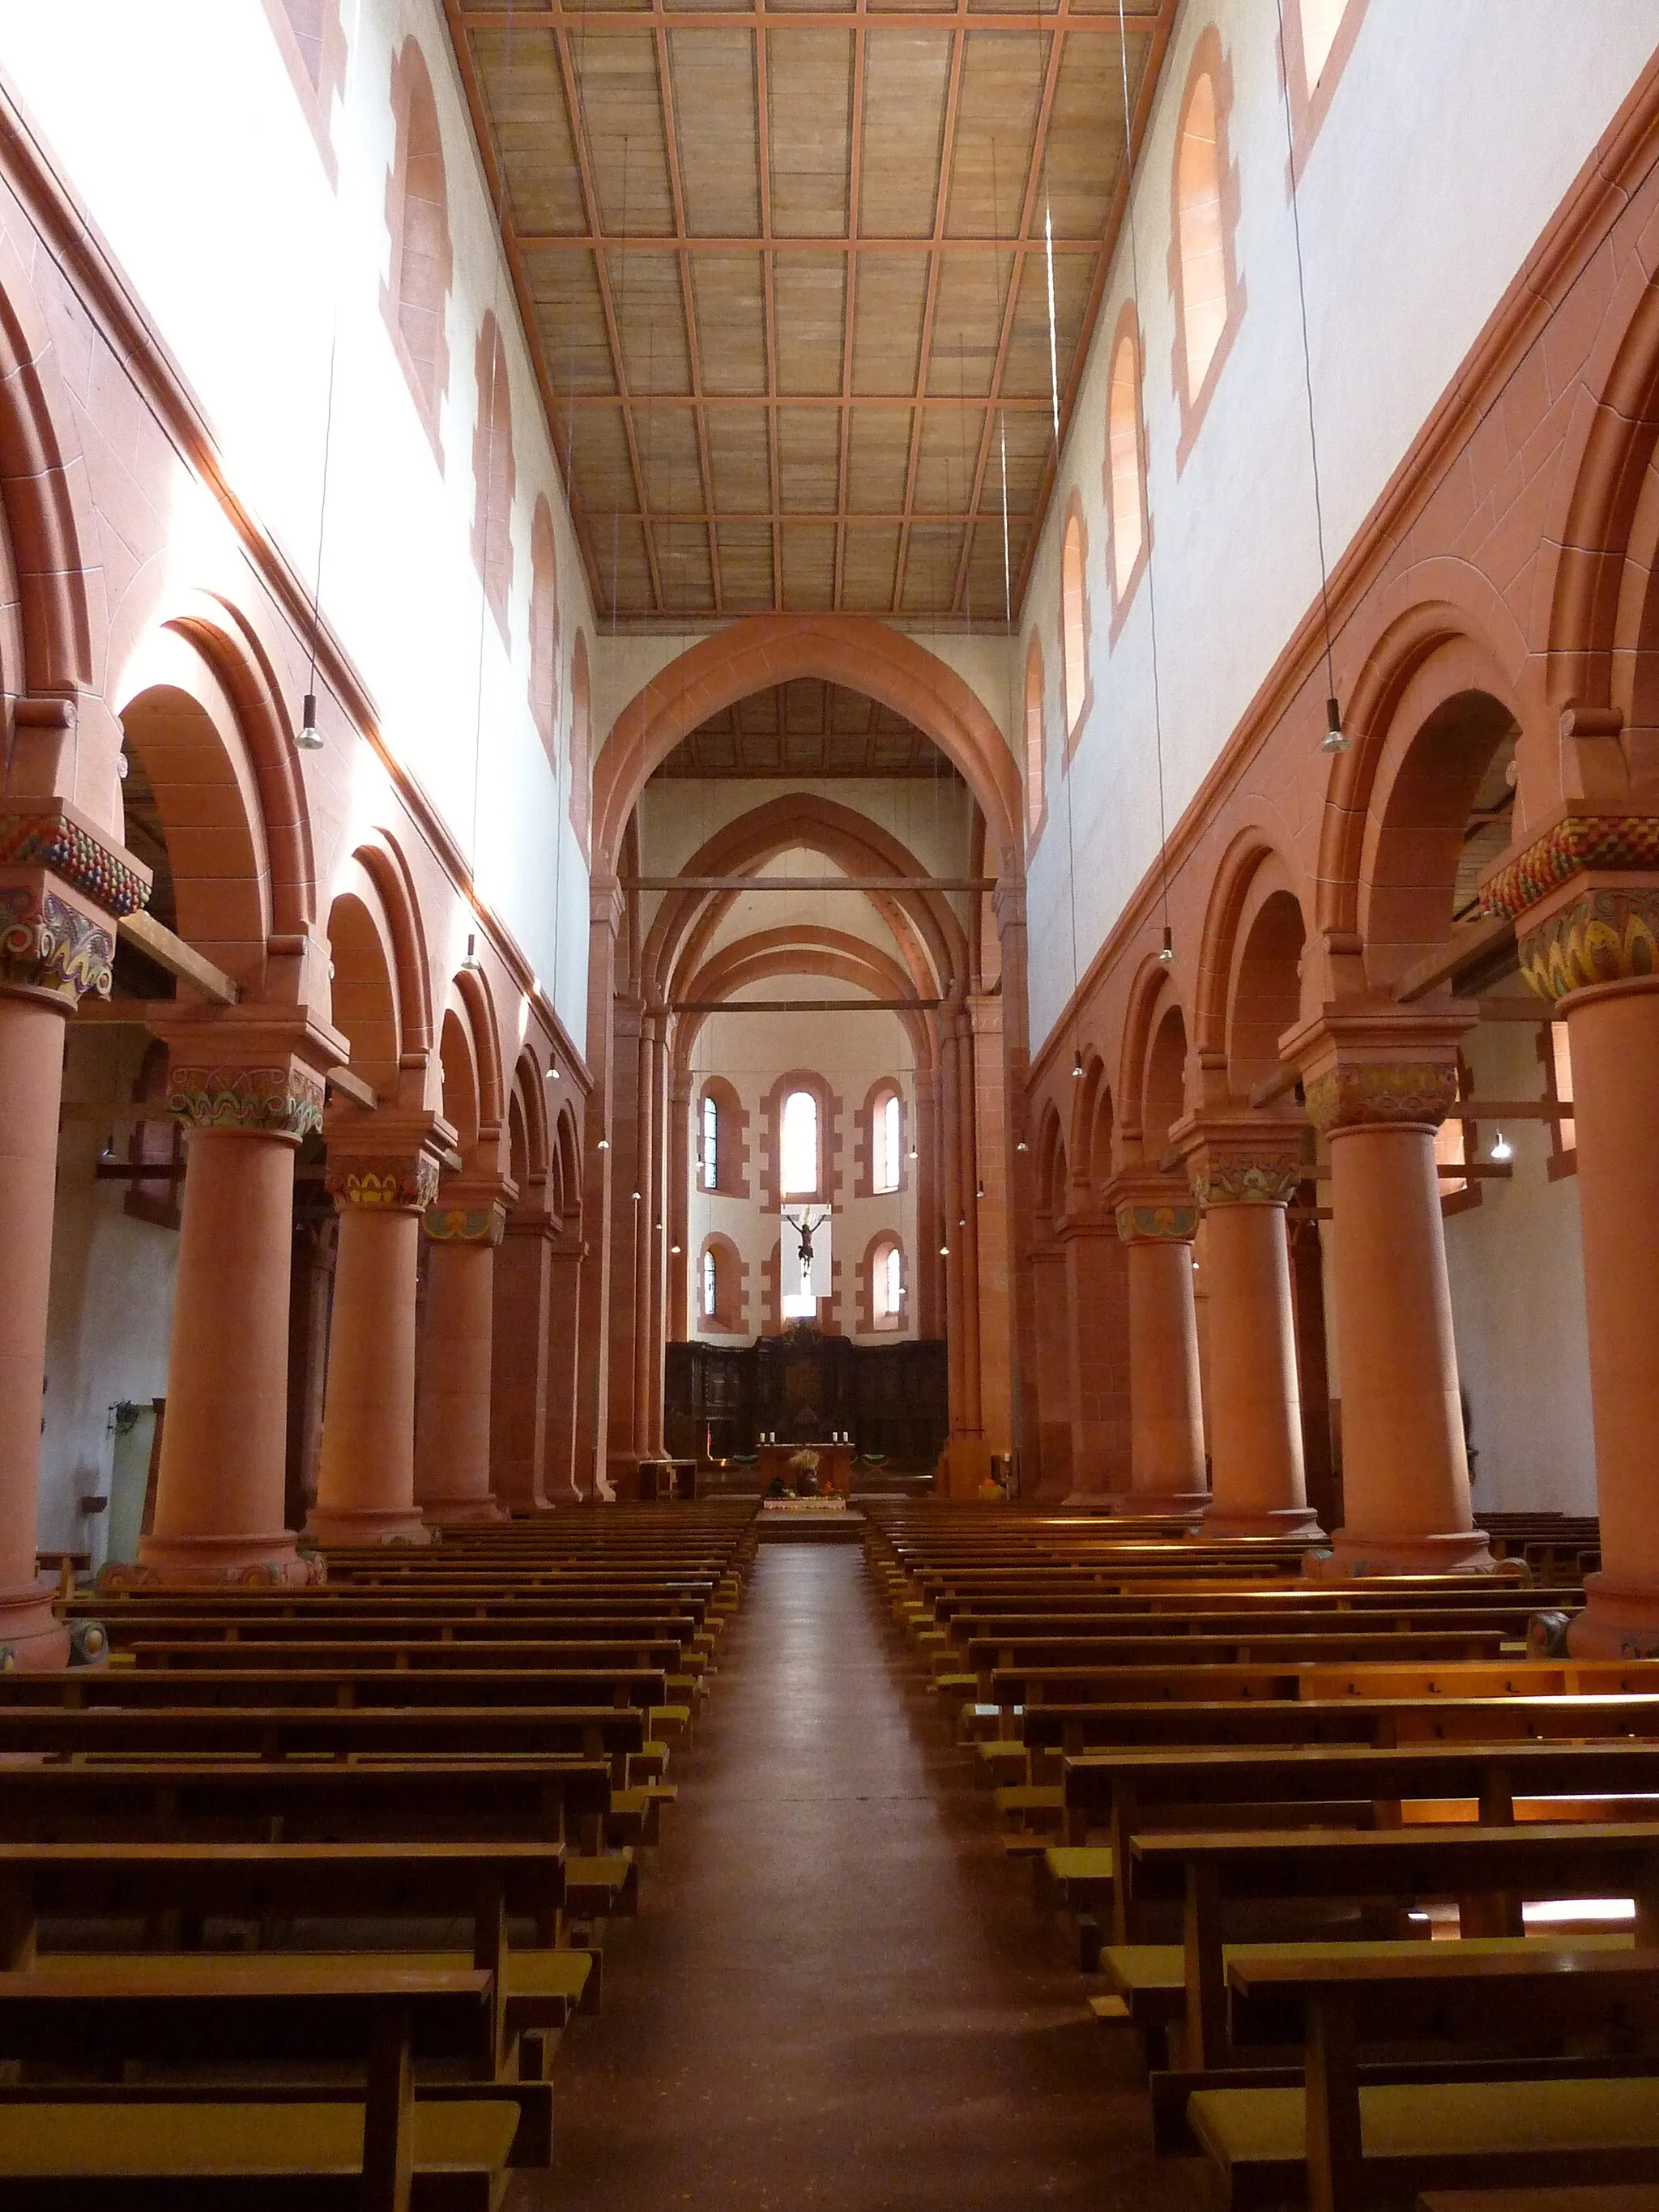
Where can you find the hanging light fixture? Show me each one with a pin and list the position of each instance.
(943, 1251)
(603, 1145)
(1077, 1065)
(1335, 739)
(1022, 1146)
(1502, 1148)
(1166, 952)
(310, 738)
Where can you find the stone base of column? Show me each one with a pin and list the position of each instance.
(1090, 1501)
(1620, 1620)
(564, 1493)
(200, 1562)
(1162, 1505)
(459, 1512)
(368, 1524)
(1270, 1521)
(1351, 1558)
(31, 1633)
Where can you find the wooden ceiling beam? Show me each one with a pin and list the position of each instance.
(477, 108)
(997, 405)
(849, 309)
(651, 242)
(689, 309)
(607, 305)
(1027, 405)
(888, 518)
(763, 158)
(557, 14)
(925, 358)
(1140, 118)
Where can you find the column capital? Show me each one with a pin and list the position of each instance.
(256, 1069)
(1151, 1209)
(605, 903)
(1584, 897)
(1384, 1066)
(1008, 903)
(63, 885)
(1241, 1159)
(470, 1210)
(390, 1161)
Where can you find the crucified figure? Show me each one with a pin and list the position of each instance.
(804, 1228)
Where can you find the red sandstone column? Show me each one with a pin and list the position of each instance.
(451, 1431)
(565, 1270)
(1590, 946)
(57, 942)
(1054, 1377)
(1378, 1085)
(366, 1475)
(518, 1409)
(1097, 1308)
(1243, 1174)
(598, 1191)
(1157, 1222)
(219, 1496)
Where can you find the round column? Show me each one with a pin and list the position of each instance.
(1166, 1411)
(452, 1435)
(1257, 1478)
(366, 1471)
(219, 1494)
(1404, 1476)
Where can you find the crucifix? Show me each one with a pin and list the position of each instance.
(806, 1223)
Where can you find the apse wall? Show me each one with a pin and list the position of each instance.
(256, 233)
(1452, 135)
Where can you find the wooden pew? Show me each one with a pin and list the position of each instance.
(196, 2146)
(341, 1686)
(1367, 2136)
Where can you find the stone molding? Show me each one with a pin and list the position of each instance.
(1229, 1178)
(449, 1222)
(266, 1102)
(1409, 1093)
(1606, 935)
(1153, 1210)
(49, 946)
(1578, 845)
(101, 873)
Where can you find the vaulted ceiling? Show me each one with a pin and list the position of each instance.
(807, 728)
(784, 268)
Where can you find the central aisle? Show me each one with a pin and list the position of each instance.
(837, 1993)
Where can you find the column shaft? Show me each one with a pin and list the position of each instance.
(518, 1407)
(563, 1476)
(366, 1475)
(452, 1437)
(1256, 1475)
(1166, 1416)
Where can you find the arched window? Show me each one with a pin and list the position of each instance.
(711, 1285)
(799, 1146)
(312, 44)
(1073, 626)
(581, 789)
(887, 1287)
(1321, 22)
(1208, 295)
(887, 1142)
(1126, 479)
(1036, 798)
(417, 216)
(544, 627)
(710, 1149)
(494, 476)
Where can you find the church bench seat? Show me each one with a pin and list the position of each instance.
(1361, 2139)
(341, 1686)
(602, 1885)
(1605, 2196)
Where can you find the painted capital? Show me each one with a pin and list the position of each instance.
(1370, 1094)
(460, 1220)
(403, 1182)
(284, 1101)
(1152, 1210)
(1601, 844)
(52, 945)
(1606, 935)
(1234, 1175)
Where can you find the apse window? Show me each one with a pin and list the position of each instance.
(711, 1142)
(888, 1136)
(887, 1287)
(711, 1285)
(1200, 235)
(799, 1146)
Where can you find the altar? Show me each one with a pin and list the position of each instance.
(834, 1470)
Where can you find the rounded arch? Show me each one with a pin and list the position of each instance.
(530, 1090)
(1150, 994)
(1052, 1180)
(1253, 873)
(800, 950)
(474, 996)
(1164, 1098)
(855, 651)
(1265, 997)
(363, 994)
(583, 782)
(726, 1278)
(458, 1059)
(568, 1157)
(381, 859)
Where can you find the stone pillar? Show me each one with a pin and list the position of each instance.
(451, 1433)
(517, 1367)
(1053, 1376)
(220, 1487)
(655, 1187)
(1098, 1348)
(1008, 907)
(365, 1473)
(930, 1225)
(966, 1231)
(1378, 1085)
(1589, 946)
(679, 1207)
(563, 1478)
(625, 1442)
(61, 891)
(1157, 1222)
(599, 1184)
(1244, 1174)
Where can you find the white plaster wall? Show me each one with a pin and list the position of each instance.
(1453, 134)
(1517, 1285)
(180, 130)
(851, 1052)
(110, 1321)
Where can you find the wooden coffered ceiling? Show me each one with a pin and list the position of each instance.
(784, 268)
(811, 729)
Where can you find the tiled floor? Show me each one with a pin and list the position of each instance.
(837, 1994)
